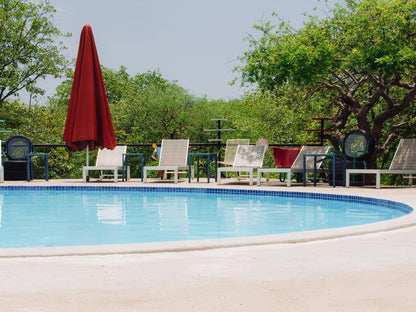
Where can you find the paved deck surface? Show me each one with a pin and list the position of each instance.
(368, 272)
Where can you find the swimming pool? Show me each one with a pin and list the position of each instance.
(76, 216)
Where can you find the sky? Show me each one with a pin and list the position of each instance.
(196, 43)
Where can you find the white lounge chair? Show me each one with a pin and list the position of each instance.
(404, 162)
(108, 160)
(297, 165)
(248, 158)
(173, 157)
(231, 150)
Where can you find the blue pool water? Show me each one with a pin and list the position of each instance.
(33, 217)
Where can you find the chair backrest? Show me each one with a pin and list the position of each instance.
(249, 156)
(174, 153)
(262, 141)
(231, 149)
(405, 156)
(298, 163)
(18, 147)
(114, 157)
(284, 157)
(358, 145)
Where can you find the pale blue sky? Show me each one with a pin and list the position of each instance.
(194, 42)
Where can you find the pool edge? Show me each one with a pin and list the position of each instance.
(408, 220)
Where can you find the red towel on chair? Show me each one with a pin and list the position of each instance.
(284, 157)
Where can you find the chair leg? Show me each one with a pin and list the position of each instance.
(84, 175)
(1, 172)
(347, 180)
(176, 175)
(144, 175)
(378, 178)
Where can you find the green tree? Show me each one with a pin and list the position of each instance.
(281, 117)
(361, 59)
(36, 122)
(30, 49)
(42, 125)
(155, 108)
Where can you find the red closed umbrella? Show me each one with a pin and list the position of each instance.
(88, 122)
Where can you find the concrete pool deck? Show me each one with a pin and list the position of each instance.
(368, 269)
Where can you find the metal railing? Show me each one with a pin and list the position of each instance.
(143, 145)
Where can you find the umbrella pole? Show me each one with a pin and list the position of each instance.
(87, 162)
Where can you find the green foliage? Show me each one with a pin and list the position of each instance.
(149, 108)
(280, 117)
(59, 163)
(38, 123)
(358, 63)
(41, 125)
(364, 36)
(29, 48)
(59, 160)
(60, 100)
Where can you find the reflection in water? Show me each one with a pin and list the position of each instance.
(111, 212)
(241, 216)
(172, 212)
(174, 215)
(265, 215)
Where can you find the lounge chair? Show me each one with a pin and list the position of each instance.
(404, 162)
(248, 158)
(231, 150)
(173, 157)
(107, 160)
(297, 166)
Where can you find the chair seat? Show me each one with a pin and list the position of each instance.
(16, 170)
(115, 170)
(248, 158)
(287, 171)
(107, 160)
